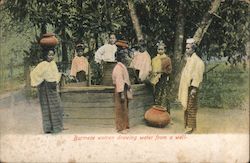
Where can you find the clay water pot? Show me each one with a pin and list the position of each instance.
(157, 116)
(122, 43)
(49, 39)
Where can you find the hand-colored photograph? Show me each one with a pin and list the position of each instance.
(124, 81)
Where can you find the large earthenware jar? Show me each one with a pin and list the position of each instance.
(157, 116)
(122, 43)
(49, 39)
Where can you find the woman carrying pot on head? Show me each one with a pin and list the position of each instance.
(45, 77)
(123, 91)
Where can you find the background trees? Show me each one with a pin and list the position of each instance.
(90, 21)
(158, 20)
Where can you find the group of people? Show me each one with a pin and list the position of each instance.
(155, 71)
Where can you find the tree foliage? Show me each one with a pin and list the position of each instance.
(90, 21)
(80, 19)
(229, 33)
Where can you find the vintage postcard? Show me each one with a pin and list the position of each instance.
(124, 81)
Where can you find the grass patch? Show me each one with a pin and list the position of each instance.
(225, 87)
(12, 82)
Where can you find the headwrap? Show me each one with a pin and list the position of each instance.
(80, 46)
(161, 43)
(190, 41)
(122, 44)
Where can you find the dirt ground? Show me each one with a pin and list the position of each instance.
(221, 136)
(24, 117)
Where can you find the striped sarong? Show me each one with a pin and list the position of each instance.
(162, 92)
(52, 111)
(121, 111)
(191, 111)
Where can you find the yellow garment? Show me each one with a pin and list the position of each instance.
(45, 71)
(192, 75)
(157, 67)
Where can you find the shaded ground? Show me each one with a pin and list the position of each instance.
(24, 117)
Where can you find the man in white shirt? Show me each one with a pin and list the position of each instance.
(107, 52)
(191, 77)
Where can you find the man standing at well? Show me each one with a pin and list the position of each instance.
(191, 77)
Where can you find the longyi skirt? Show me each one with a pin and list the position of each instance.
(52, 111)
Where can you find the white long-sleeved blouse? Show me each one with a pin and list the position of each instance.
(106, 53)
(45, 71)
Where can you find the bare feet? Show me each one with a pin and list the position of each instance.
(123, 131)
(188, 130)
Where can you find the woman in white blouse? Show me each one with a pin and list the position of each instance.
(45, 77)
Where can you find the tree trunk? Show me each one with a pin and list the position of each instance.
(179, 34)
(135, 19)
(1, 60)
(27, 75)
(107, 7)
(206, 21)
(43, 29)
(247, 46)
(64, 49)
(178, 49)
(96, 41)
(79, 4)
